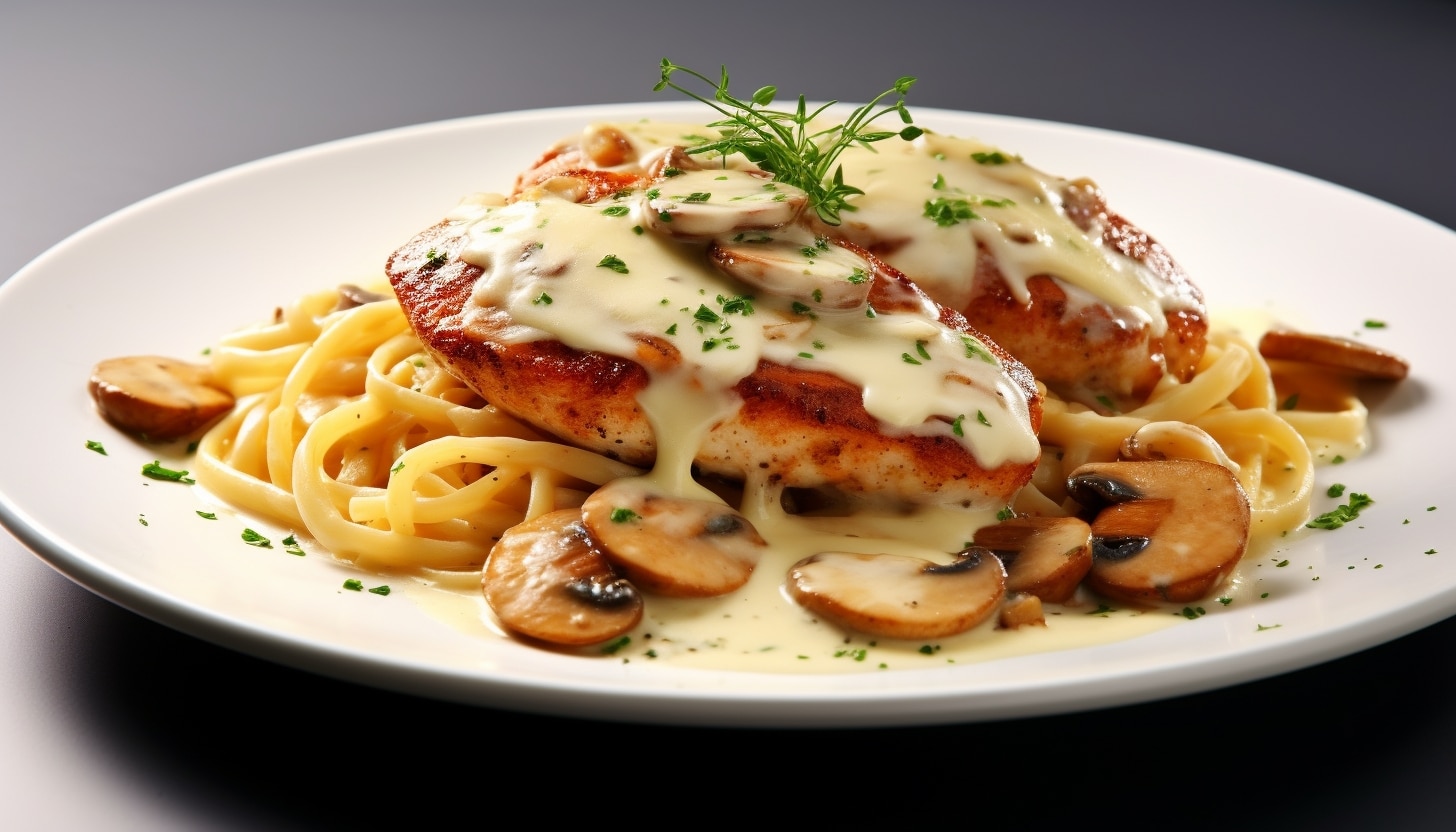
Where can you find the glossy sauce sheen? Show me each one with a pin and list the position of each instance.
(596, 278)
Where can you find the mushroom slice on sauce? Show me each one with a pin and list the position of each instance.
(1020, 610)
(1044, 556)
(1174, 440)
(1342, 354)
(703, 204)
(154, 397)
(1168, 530)
(895, 596)
(802, 268)
(669, 545)
(546, 581)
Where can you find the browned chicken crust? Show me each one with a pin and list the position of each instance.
(805, 429)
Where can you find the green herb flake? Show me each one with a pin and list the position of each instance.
(382, 589)
(623, 515)
(142, 518)
(955, 426)
(975, 349)
(1290, 403)
(920, 348)
(435, 259)
(1191, 613)
(398, 466)
(787, 142)
(252, 538)
(93, 445)
(947, 212)
(638, 230)
(1263, 627)
(698, 196)
(1107, 403)
(155, 471)
(1374, 324)
(542, 299)
(1430, 551)
(858, 276)
(1102, 610)
(939, 183)
(1281, 564)
(981, 417)
(909, 359)
(612, 647)
(613, 262)
(672, 330)
(1336, 490)
(995, 157)
(207, 515)
(806, 355)
(616, 210)
(1005, 514)
(706, 315)
(1225, 600)
(1342, 514)
(354, 585)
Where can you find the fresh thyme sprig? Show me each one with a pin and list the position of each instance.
(781, 142)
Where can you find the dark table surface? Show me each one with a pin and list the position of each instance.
(112, 721)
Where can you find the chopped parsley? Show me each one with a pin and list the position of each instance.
(995, 157)
(1005, 514)
(93, 445)
(616, 210)
(252, 538)
(1290, 403)
(542, 299)
(290, 545)
(624, 515)
(1342, 514)
(947, 212)
(613, 262)
(380, 590)
(1373, 324)
(434, 259)
(354, 585)
(698, 196)
(155, 471)
(207, 515)
(611, 648)
(1336, 490)
(975, 349)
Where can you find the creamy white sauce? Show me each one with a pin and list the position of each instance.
(602, 276)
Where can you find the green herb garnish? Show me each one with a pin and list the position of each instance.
(155, 470)
(93, 445)
(252, 538)
(1341, 515)
(613, 262)
(786, 143)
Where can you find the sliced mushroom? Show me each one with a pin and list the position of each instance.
(799, 267)
(1342, 354)
(1168, 530)
(1021, 610)
(351, 296)
(672, 545)
(1175, 440)
(546, 581)
(704, 204)
(155, 397)
(668, 163)
(897, 596)
(1044, 556)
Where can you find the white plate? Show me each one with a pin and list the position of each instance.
(170, 274)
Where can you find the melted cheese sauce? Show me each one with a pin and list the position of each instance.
(605, 275)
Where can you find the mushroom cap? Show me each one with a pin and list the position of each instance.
(1044, 556)
(155, 397)
(673, 546)
(896, 596)
(545, 580)
(1341, 354)
(1166, 530)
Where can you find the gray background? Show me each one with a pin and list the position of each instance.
(112, 721)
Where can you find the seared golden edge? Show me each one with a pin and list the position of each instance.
(804, 429)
